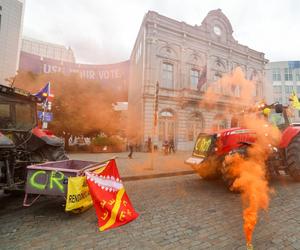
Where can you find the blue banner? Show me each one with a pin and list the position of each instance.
(114, 77)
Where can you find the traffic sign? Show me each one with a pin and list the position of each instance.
(45, 116)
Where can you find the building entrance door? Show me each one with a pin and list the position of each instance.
(166, 126)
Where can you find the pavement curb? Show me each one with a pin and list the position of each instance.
(158, 175)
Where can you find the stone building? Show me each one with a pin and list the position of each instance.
(177, 55)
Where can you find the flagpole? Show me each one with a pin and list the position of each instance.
(155, 118)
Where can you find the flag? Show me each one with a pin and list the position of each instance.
(78, 196)
(202, 78)
(113, 207)
(156, 104)
(44, 93)
(295, 101)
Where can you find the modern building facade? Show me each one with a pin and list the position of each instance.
(282, 78)
(11, 22)
(47, 50)
(176, 55)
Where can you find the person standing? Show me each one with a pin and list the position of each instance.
(149, 144)
(130, 146)
(171, 146)
(166, 147)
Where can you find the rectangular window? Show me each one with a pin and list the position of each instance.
(297, 75)
(4, 111)
(288, 74)
(288, 89)
(257, 90)
(194, 78)
(276, 75)
(167, 77)
(277, 89)
(235, 90)
(25, 118)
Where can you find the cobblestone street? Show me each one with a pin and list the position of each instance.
(175, 212)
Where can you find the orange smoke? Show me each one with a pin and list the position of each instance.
(80, 107)
(253, 173)
(234, 86)
(249, 173)
(251, 181)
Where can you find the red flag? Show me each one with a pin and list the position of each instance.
(202, 79)
(111, 202)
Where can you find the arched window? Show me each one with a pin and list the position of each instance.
(166, 125)
(195, 125)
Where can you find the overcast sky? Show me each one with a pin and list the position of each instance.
(104, 31)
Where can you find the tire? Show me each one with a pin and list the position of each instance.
(37, 157)
(226, 169)
(293, 158)
(227, 177)
(50, 153)
(209, 169)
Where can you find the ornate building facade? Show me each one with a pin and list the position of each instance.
(177, 55)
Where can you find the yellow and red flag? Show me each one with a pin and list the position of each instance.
(111, 202)
(78, 196)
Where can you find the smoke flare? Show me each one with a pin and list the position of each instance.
(249, 173)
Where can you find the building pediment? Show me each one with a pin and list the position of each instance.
(218, 27)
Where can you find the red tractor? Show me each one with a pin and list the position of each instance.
(210, 150)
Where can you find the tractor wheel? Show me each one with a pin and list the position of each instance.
(209, 169)
(50, 153)
(293, 158)
(37, 157)
(227, 177)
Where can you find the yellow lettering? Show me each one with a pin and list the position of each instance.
(102, 203)
(104, 216)
(128, 212)
(122, 216)
(111, 202)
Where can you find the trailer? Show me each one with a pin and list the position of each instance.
(51, 178)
